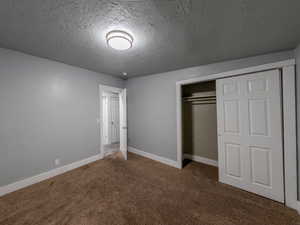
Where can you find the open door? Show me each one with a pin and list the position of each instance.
(123, 123)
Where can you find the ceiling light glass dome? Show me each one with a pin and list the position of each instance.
(119, 40)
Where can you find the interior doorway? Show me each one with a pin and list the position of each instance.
(113, 121)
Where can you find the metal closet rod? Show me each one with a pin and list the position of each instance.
(208, 97)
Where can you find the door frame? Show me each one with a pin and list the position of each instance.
(103, 88)
(289, 119)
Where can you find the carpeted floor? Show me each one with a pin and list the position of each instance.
(139, 192)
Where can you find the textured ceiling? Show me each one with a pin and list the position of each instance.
(169, 34)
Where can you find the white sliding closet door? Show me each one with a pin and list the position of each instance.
(250, 133)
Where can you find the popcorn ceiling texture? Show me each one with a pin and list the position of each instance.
(169, 34)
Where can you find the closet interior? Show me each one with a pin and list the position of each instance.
(200, 142)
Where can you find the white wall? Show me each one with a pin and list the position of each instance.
(152, 103)
(48, 111)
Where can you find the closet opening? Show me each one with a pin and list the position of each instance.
(199, 127)
(255, 128)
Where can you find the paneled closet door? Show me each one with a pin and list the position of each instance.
(250, 133)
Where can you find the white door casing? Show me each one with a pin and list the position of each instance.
(123, 122)
(250, 133)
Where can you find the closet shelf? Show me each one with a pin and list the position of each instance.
(198, 98)
(204, 94)
(208, 97)
(203, 102)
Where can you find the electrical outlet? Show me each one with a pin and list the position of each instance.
(57, 162)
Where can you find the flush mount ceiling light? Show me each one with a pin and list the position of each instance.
(119, 40)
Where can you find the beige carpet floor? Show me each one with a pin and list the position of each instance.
(139, 191)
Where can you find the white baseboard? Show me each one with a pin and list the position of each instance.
(201, 160)
(163, 160)
(44, 176)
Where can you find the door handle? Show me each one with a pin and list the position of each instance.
(124, 128)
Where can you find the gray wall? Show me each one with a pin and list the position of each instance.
(48, 111)
(297, 55)
(152, 103)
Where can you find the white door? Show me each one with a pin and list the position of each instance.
(250, 133)
(105, 120)
(114, 119)
(123, 122)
